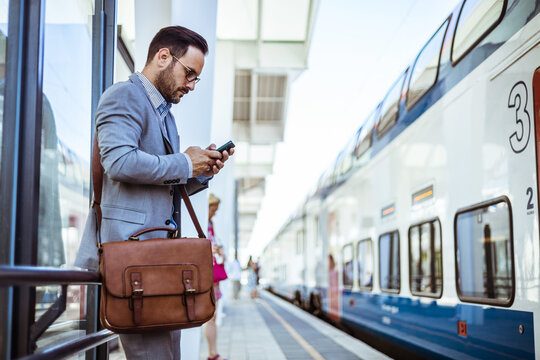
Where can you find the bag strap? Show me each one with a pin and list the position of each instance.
(97, 182)
(189, 207)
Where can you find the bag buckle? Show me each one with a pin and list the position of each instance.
(137, 292)
(191, 290)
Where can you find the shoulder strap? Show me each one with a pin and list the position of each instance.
(189, 207)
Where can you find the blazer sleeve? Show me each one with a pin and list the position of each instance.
(197, 184)
(120, 126)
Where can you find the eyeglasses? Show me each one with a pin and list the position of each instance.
(190, 74)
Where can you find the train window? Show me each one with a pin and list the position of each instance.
(476, 19)
(389, 274)
(348, 156)
(484, 253)
(365, 264)
(426, 67)
(390, 107)
(335, 171)
(425, 261)
(363, 141)
(348, 273)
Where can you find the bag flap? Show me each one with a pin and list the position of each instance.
(160, 279)
(161, 263)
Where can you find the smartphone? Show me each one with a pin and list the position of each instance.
(227, 146)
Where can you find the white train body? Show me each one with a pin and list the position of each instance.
(453, 180)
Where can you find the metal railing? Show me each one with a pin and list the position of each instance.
(39, 276)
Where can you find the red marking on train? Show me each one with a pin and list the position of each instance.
(351, 302)
(462, 328)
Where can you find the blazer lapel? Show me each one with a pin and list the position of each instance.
(173, 132)
(166, 140)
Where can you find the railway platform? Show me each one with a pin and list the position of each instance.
(269, 328)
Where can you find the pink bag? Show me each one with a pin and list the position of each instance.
(219, 272)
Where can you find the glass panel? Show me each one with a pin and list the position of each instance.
(3, 43)
(365, 264)
(65, 146)
(484, 253)
(390, 106)
(389, 262)
(4, 255)
(425, 258)
(476, 17)
(426, 67)
(348, 266)
(67, 326)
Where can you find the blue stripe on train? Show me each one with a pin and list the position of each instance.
(425, 327)
(428, 328)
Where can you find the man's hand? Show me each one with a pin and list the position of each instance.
(220, 161)
(207, 162)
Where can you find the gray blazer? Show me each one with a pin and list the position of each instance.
(141, 166)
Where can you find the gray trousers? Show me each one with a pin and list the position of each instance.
(152, 346)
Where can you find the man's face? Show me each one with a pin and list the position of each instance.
(172, 82)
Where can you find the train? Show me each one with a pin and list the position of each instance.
(423, 236)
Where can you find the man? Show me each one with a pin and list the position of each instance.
(139, 147)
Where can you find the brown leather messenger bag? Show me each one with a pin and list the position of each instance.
(158, 284)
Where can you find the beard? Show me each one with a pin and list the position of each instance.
(166, 86)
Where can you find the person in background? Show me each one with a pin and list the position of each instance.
(235, 274)
(219, 260)
(258, 271)
(252, 278)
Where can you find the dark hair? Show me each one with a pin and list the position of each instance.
(177, 39)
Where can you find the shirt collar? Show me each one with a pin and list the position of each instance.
(157, 100)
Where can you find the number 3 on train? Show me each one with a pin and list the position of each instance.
(518, 100)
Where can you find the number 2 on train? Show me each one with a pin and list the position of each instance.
(530, 205)
(518, 100)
